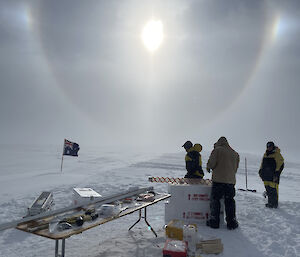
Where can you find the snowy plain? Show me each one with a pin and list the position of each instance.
(27, 170)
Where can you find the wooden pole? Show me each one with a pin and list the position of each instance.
(62, 157)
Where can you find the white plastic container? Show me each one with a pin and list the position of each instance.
(84, 195)
(109, 210)
(171, 212)
(190, 236)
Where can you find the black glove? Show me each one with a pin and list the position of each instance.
(208, 169)
(260, 173)
(276, 177)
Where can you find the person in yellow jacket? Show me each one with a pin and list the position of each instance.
(193, 161)
(271, 167)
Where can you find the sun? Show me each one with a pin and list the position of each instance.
(152, 35)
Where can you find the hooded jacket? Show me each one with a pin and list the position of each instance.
(193, 161)
(224, 162)
(272, 165)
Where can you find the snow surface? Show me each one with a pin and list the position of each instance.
(26, 171)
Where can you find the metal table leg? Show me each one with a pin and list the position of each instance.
(145, 218)
(56, 248)
(140, 216)
(63, 244)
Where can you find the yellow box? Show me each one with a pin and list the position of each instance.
(174, 229)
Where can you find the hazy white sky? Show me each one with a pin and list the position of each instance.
(79, 70)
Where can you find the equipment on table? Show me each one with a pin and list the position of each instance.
(147, 197)
(84, 195)
(133, 191)
(109, 210)
(57, 225)
(41, 204)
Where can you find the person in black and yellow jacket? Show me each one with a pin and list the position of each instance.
(193, 161)
(271, 167)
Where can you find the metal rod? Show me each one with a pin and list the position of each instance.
(62, 156)
(61, 165)
(246, 173)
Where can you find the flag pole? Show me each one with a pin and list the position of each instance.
(62, 157)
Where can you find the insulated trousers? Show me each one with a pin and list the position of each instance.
(218, 191)
(272, 192)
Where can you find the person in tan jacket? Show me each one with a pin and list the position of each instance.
(223, 162)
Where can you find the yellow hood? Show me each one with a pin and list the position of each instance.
(198, 147)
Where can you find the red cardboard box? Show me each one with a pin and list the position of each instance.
(175, 248)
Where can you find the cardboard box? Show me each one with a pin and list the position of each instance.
(211, 246)
(174, 229)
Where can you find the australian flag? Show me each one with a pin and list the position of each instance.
(71, 148)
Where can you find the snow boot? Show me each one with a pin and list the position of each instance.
(212, 223)
(271, 205)
(233, 224)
